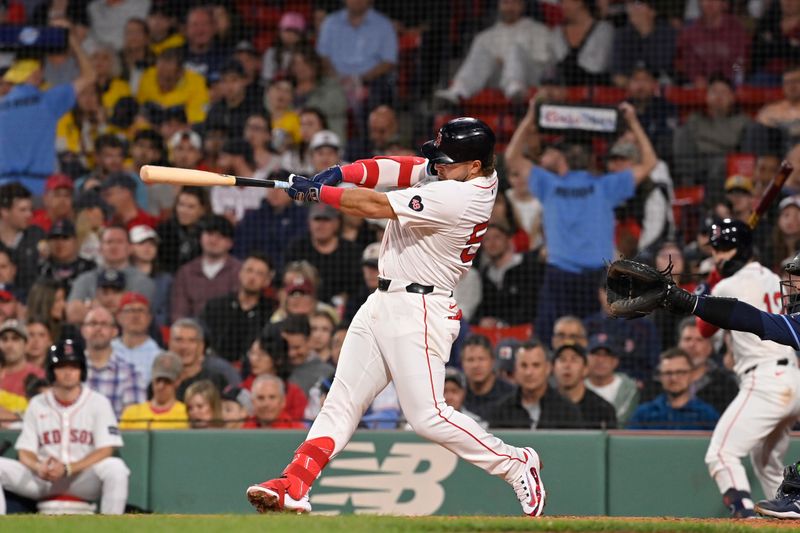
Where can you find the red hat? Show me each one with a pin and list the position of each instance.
(301, 285)
(57, 181)
(133, 298)
(7, 296)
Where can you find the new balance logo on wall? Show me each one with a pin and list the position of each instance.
(407, 481)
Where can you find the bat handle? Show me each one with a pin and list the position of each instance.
(282, 184)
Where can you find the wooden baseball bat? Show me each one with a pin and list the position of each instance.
(770, 193)
(202, 178)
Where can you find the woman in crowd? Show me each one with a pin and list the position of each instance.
(267, 355)
(135, 55)
(40, 338)
(321, 339)
(180, 235)
(786, 234)
(90, 219)
(258, 133)
(314, 89)
(47, 301)
(278, 100)
(144, 256)
(107, 70)
(312, 120)
(78, 129)
(291, 31)
(203, 405)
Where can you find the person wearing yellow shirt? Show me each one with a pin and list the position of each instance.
(78, 129)
(164, 411)
(162, 23)
(107, 70)
(168, 84)
(12, 406)
(279, 97)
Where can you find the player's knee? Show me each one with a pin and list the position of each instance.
(113, 468)
(426, 425)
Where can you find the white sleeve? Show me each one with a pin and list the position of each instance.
(106, 429)
(28, 438)
(436, 205)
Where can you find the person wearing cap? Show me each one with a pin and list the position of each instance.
(236, 159)
(234, 320)
(484, 387)
(17, 235)
(9, 306)
(307, 367)
(325, 149)
(534, 404)
(739, 196)
(15, 368)
(134, 343)
(169, 84)
(110, 288)
(63, 262)
(269, 405)
(236, 102)
(578, 215)
(119, 191)
(336, 259)
(291, 36)
(57, 202)
(215, 273)
(645, 38)
(28, 118)
(162, 26)
(110, 155)
(250, 58)
(509, 281)
(203, 52)
(369, 272)
(186, 150)
(569, 370)
(616, 388)
(787, 230)
(145, 258)
(115, 252)
(163, 410)
(455, 393)
(237, 406)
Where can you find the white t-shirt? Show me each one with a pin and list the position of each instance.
(607, 392)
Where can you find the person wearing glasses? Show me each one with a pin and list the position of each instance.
(676, 407)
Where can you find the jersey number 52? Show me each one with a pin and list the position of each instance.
(474, 242)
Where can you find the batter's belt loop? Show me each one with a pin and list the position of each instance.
(387, 285)
(779, 362)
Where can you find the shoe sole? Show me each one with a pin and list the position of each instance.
(789, 515)
(268, 501)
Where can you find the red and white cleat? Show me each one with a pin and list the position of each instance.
(529, 487)
(273, 496)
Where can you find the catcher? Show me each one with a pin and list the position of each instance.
(635, 289)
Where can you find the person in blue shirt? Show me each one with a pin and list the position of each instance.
(676, 407)
(28, 118)
(578, 214)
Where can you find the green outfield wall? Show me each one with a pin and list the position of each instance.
(586, 473)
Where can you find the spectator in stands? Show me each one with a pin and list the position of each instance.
(312, 120)
(203, 405)
(202, 53)
(326, 151)
(186, 150)
(316, 90)
(63, 263)
(134, 343)
(525, 208)
(28, 154)
(15, 368)
(369, 272)
(533, 404)
(258, 134)
(108, 374)
(569, 370)
(237, 407)
(786, 233)
(144, 256)
(119, 192)
(136, 55)
(115, 253)
(237, 103)
(269, 405)
(169, 84)
(162, 24)
(676, 407)
(320, 340)
(582, 45)
(484, 387)
(180, 235)
(107, 71)
(711, 383)
(46, 301)
(215, 273)
(186, 339)
(616, 388)
(250, 58)
(511, 54)
(17, 236)
(236, 159)
(268, 355)
(335, 258)
(359, 45)
(716, 44)
(455, 393)
(233, 321)
(279, 99)
(307, 367)
(785, 114)
(78, 130)
(739, 196)
(147, 148)
(8, 271)
(40, 338)
(110, 288)
(90, 218)
(703, 142)
(775, 43)
(163, 410)
(568, 329)
(509, 281)
(658, 117)
(109, 159)
(578, 214)
(639, 337)
(291, 37)
(382, 132)
(299, 292)
(9, 306)
(57, 202)
(107, 19)
(645, 39)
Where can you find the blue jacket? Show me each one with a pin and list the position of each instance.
(658, 414)
(269, 232)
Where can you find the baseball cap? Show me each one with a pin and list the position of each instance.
(456, 376)
(140, 233)
(789, 201)
(110, 278)
(167, 365)
(119, 179)
(603, 341)
(232, 67)
(322, 211)
(218, 224)
(131, 297)
(300, 284)
(61, 228)
(186, 135)
(624, 150)
(58, 181)
(7, 296)
(238, 395)
(292, 20)
(246, 46)
(577, 348)
(740, 183)
(370, 254)
(21, 70)
(16, 326)
(325, 138)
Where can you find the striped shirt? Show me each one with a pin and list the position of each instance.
(118, 381)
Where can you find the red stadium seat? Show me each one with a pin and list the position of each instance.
(521, 332)
(486, 101)
(687, 209)
(751, 99)
(743, 164)
(608, 95)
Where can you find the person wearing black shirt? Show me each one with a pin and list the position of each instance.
(569, 369)
(484, 387)
(63, 263)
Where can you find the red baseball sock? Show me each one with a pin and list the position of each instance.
(308, 461)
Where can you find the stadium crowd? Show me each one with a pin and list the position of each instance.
(227, 307)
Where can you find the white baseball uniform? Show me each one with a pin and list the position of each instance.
(759, 419)
(406, 337)
(69, 433)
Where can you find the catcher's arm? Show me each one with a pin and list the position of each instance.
(730, 313)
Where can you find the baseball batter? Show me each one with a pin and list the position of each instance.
(68, 436)
(404, 331)
(759, 419)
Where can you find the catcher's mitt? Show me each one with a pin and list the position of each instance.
(634, 289)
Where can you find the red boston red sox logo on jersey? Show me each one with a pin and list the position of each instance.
(75, 436)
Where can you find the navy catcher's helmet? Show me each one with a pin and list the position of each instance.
(790, 286)
(461, 139)
(65, 351)
(732, 234)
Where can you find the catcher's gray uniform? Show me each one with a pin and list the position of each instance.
(69, 433)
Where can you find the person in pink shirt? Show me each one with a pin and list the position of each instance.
(13, 338)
